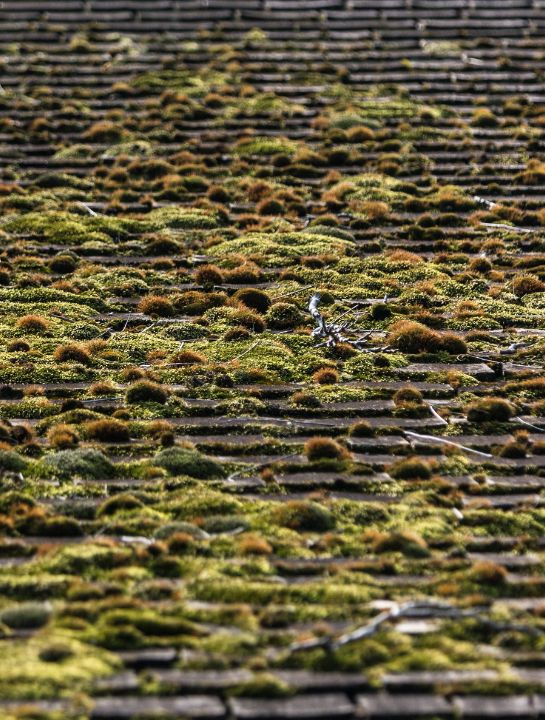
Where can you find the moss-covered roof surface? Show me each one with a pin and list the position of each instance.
(272, 375)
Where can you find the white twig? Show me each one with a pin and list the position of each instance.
(86, 207)
(420, 608)
(245, 352)
(524, 422)
(436, 414)
(274, 459)
(483, 201)
(293, 292)
(333, 333)
(502, 226)
(433, 438)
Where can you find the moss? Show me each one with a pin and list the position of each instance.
(380, 311)
(72, 353)
(26, 676)
(253, 299)
(108, 430)
(526, 284)
(325, 376)
(406, 542)
(62, 437)
(483, 117)
(11, 461)
(319, 448)
(411, 469)
(265, 146)
(263, 685)
(36, 522)
(283, 315)
(119, 503)
(282, 247)
(27, 616)
(488, 573)
(533, 387)
(63, 264)
(512, 450)
(86, 462)
(370, 187)
(130, 629)
(156, 305)
(490, 409)
(144, 391)
(413, 337)
(269, 215)
(304, 516)
(188, 357)
(208, 276)
(104, 131)
(407, 395)
(183, 461)
(362, 428)
(33, 324)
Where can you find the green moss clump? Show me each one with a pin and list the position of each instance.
(11, 461)
(183, 461)
(25, 674)
(264, 685)
(107, 430)
(27, 616)
(282, 247)
(490, 409)
(85, 462)
(411, 469)
(119, 503)
(408, 543)
(265, 146)
(283, 315)
(145, 391)
(304, 516)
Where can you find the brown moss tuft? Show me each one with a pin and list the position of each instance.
(407, 395)
(253, 299)
(527, 284)
(412, 468)
(188, 357)
(488, 573)
(247, 272)
(325, 376)
(33, 323)
(489, 409)
(254, 545)
(146, 391)
(323, 448)
(208, 276)
(62, 437)
(304, 516)
(156, 305)
(413, 337)
(107, 430)
(72, 353)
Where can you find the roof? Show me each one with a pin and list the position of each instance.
(271, 368)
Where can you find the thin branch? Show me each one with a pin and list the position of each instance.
(433, 438)
(528, 424)
(293, 292)
(483, 201)
(501, 226)
(420, 608)
(274, 459)
(89, 210)
(333, 333)
(436, 414)
(245, 352)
